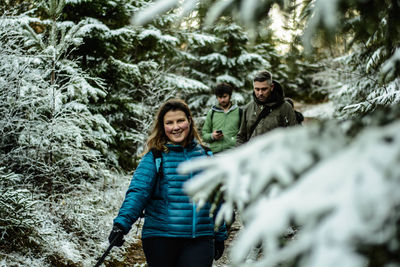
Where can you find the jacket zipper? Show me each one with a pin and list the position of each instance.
(194, 221)
(194, 214)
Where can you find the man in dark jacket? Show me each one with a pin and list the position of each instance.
(269, 101)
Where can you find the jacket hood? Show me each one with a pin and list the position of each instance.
(218, 109)
(277, 95)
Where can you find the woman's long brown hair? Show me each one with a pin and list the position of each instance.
(158, 138)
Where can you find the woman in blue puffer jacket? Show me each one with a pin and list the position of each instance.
(175, 233)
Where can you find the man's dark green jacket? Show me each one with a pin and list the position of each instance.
(281, 115)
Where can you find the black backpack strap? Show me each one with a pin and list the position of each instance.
(212, 116)
(157, 154)
(264, 113)
(240, 116)
(155, 192)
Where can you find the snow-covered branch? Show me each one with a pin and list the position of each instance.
(340, 192)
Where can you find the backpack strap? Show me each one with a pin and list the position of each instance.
(157, 154)
(240, 116)
(212, 116)
(264, 113)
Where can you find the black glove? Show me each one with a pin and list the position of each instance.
(117, 234)
(219, 247)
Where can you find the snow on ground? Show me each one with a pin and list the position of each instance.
(323, 110)
(75, 228)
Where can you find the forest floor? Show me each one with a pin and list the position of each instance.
(312, 112)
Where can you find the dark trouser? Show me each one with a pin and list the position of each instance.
(178, 252)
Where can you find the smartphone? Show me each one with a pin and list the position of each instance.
(219, 131)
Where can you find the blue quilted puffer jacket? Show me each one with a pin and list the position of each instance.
(168, 210)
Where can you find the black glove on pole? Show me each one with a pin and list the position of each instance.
(115, 239)
(116, 235)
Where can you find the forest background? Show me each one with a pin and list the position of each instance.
(80, 82)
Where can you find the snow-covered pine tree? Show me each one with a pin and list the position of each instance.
(299, 80)
(138, 65)
(207, 60)
(367, 74)
(16, 7)
(221, 54)
(16, 201)
(51, 144)
(58, 140)
(16, 226)
(337, 187)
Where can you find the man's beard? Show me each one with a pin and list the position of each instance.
(225, 105)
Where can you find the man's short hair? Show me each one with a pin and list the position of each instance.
(223, 88)
(263, 76)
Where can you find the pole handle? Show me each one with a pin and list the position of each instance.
(101, 260)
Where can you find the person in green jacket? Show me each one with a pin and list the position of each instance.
(223, 121)
(268, 100)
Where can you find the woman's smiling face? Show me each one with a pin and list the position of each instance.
(176, 126)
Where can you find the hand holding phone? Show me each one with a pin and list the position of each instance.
(217, 135)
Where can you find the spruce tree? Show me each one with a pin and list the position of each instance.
(222, 53)
(138, 64)
(57, 140)
(16, 199)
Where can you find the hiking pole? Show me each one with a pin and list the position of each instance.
(100, 261)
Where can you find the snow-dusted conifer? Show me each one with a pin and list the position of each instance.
(226, 57)
(58, 138)
(337, 186)
(136, 63)
(51, 143)
(16, 206)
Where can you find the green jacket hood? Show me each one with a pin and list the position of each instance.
(219, 109)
